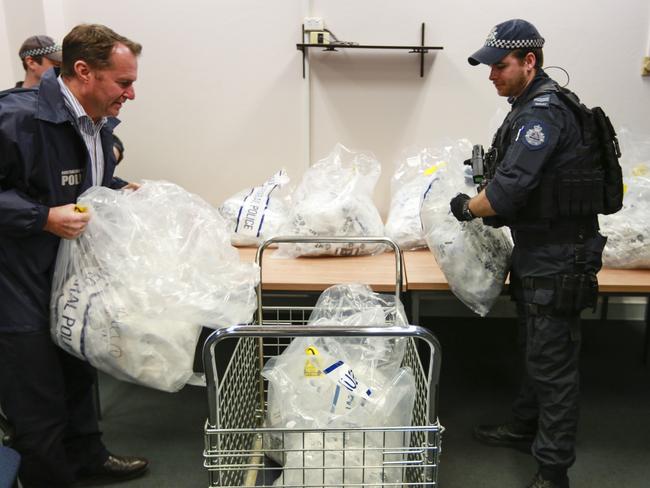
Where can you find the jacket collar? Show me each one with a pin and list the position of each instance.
(533, 87)
(51, 107)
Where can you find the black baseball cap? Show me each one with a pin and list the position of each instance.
(41, 46)
(503, 38)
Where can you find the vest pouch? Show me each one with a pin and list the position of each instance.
(575, 293)
(587, 292)
(565, 287)
(580, 192)
(611, 152)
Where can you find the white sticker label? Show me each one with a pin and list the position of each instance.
(251, 214)
(345, 377)
(349, 392)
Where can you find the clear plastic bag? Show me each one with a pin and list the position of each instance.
(131, 293)
(356, 305)
(408, 185)
(628, 230)
(635, 149)
(353, 457)
(474, 258)
(256, 214)
(320, 382)
(334, 198)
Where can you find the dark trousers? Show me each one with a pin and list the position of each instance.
(47, 396)
(549, 393)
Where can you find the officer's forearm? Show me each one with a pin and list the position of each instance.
(480, 206)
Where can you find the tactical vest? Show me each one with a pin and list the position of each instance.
(590, 185)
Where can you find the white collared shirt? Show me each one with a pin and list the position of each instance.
(89, 130)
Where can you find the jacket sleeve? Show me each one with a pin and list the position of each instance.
(20, 215)
(117, 183)
(535, 138)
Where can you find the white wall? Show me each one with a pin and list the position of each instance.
(6, 74)
(377, 101)
(221, 103)
(22, 19)
(217, 103)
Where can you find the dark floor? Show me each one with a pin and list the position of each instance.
(477, 382)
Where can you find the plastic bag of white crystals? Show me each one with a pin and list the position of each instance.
(256, 214)
(131, 293)
(474, 258)
(334, 198)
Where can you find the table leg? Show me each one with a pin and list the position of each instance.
(604, 307)
(646, 342)
(415, 307)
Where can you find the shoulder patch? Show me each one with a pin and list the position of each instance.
(542, 101)
(533, 135)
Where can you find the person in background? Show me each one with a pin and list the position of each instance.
(556, 254)
(55, 143)
(38, 54)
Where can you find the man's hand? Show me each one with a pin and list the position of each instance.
(131, 186)
(66, 222)
(460, 207)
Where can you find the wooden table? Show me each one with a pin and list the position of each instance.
(319, 273)
(423, 273)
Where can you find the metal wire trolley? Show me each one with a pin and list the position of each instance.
(239, 448)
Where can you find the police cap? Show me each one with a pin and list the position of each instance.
(40, 46)
(503, 38)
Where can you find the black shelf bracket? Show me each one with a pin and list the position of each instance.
(335, 46)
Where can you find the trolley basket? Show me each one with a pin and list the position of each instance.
(238, 446)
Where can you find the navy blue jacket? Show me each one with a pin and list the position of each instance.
(43, 163)
(539, 137)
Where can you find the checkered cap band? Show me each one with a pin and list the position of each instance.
(41, 51)
(515, 43)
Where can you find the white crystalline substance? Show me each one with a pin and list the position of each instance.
(361, 384)
(341, 457)
(628, 230)
(334, 198)
(131, 293)
(403, 224)
(474, 258)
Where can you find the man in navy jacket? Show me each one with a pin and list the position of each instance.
(55, 142)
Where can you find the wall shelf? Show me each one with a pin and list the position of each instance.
(335, 46)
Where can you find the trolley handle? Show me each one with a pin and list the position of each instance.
(260, 331)
(329, 240)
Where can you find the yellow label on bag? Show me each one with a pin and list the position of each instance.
(312, 366)
(80, 208)
(434, 168)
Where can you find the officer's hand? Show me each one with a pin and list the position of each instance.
(460, 207)
(67, 221)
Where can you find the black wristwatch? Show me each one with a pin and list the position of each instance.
(467, 213)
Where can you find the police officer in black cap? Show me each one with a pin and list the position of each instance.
(557, 253)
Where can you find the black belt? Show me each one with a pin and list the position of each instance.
(536, 282)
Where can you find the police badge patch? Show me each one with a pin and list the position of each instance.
(533, 135)
(492, 36)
